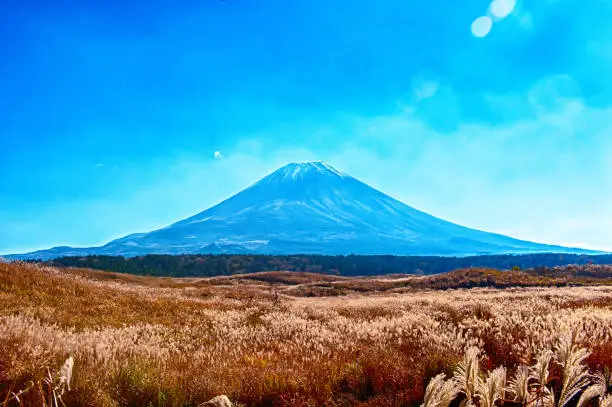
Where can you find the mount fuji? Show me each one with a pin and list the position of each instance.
(311, 208)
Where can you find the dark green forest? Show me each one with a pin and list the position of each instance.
(353, 265)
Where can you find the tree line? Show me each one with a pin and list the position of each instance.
(207, 265)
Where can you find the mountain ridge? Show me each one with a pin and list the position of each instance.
(311, 208)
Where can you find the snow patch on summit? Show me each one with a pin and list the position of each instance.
(301, 170)
(202, 220)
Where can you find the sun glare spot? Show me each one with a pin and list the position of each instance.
(482, 26)
(502, 8)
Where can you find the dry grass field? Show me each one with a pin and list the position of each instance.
(89, 338)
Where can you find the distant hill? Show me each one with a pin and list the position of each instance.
(310, 208)
(216, 265)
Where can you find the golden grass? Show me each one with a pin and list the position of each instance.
(179, 342)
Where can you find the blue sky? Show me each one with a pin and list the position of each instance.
(111, 112)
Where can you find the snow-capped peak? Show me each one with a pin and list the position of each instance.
(301, 170)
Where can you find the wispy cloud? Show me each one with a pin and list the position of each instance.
(426, 89)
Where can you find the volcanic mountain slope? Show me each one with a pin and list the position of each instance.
(311, 208)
